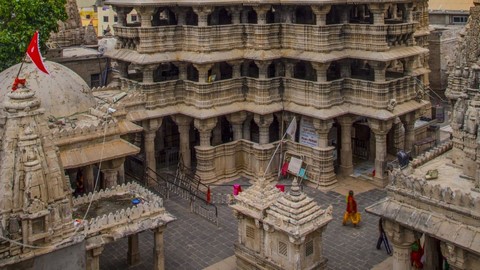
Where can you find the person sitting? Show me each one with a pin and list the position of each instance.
(351, 213)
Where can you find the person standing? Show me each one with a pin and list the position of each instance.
(351, 213)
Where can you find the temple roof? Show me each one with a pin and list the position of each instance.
(297, 214)
(255, 200)
(62, 93)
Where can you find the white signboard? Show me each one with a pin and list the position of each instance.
(308, 135)
(295, 165)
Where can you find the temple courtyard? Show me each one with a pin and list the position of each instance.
(191, 242)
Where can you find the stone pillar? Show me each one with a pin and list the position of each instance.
(148, 73)
(158, 249)
(345, 14)
(236, 68)
(262, 69)
(380, 128)
(133, 254)
(205, 154)
(122, 14)
(379, 69)
(322, 127)
(150, 127)
(235, 13)
(181, 15)
(378, 11)
(288, 14)
(93, 258)
(109, 178)
(409, 125)
(263, 122)
(183, 123)
(88, 178)
(409, 12)
(401, 240)
(202, 12)
(261, 11)
(202, 72)
(246, 128)
(146, 13)
(321, 69)
(346, 161)
(345, 68)
(236, 120)
(321, 13)
(182, 70)
(289, 69)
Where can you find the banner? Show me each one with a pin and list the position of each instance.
(308, 135)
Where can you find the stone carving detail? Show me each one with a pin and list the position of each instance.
(391, 104)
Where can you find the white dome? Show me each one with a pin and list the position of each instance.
(62, 93)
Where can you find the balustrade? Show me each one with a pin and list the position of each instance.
(314, 38)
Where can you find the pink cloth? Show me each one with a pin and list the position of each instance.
(236, 189)
(280, 187)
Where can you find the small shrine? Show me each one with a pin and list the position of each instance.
(279, 230)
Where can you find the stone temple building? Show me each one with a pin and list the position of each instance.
(437, 197)
(216, 83)
(54, 132)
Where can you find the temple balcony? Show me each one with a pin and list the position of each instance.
(316, 94)
(209, 95)
(313, 38)
(263, 92)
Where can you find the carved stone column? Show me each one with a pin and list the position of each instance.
(345, 14)
(203, 12)
(93, 258)
(263, 122)
(401, 240)
(246, 128)
(181, 15)
(146, 13)
(150, 128)
(409, 125)
(288, 13)
(183, 123)
(205, 152)
(88, 178)
(148, 73)
(182, 70)
(380, 128)
(158, 249)
(346, 162)
(379, 69)
(133, 254)
(345, 68)
(321, 13)
(236, 65)
(262, 68)
(121, 174)
(236, 120)
(122, 14)
(321, 69)
(202, 72)
(323, 128)
(289, 69)
(235, 13)
(378, 11)
(262, 13)
(110, 171)
(409, 12)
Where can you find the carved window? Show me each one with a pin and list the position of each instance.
(309, 248)
(282, 248)
(250, 232)
(38, 225)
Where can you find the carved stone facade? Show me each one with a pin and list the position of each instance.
(279, 231)
(341, 66)
(437, 197)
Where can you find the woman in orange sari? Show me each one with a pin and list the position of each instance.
(351, 213)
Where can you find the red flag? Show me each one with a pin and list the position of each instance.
(33, 51)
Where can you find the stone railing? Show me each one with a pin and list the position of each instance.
(315, 94)
(313, 38)
(431, 154)
(152, 206)
(461, 203)
(218, 93)
(245, 158)
(66, 135)
(263, 91)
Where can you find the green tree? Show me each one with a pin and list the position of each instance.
(18, 21)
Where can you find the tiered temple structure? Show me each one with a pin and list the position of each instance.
(279, 231)
(41, 226)
(437, 198)
(217, 83)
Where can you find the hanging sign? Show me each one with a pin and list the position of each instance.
(308, 135)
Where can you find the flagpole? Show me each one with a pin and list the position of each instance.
(278, 146)
(21, 64)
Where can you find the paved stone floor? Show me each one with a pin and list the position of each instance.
(191, 242)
